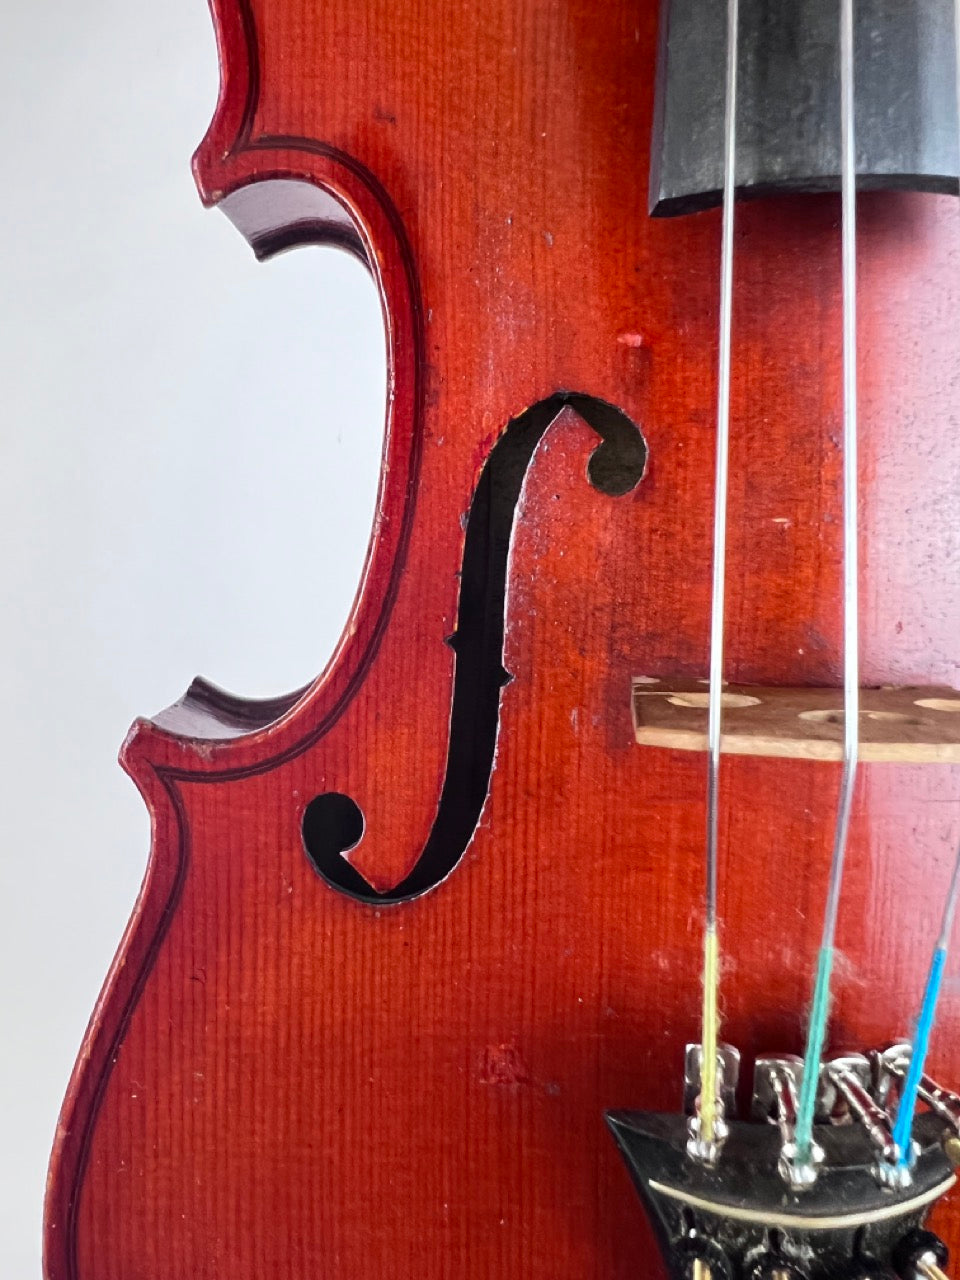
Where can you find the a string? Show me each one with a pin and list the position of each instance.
(710, 1020)
(820, 1006)
(903, 1126)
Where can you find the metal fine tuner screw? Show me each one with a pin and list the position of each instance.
(921, 1256)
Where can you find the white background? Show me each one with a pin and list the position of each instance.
(190, 449)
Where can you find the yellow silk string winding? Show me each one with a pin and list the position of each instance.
(711, 1031)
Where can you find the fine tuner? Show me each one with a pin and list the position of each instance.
(751, 1210)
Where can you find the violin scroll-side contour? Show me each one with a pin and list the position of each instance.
(408, 934)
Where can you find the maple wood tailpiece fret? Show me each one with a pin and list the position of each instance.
(902, 725)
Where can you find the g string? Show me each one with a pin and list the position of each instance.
(906, 1109)
(710, 1112)
(820, 1004)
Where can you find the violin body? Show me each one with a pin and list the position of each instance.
(376, 1036)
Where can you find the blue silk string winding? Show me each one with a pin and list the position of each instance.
(903, 1127)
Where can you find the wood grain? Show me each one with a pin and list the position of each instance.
(897, 725)
(280, 1081)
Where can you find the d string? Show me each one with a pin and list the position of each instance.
(903, 1126)
(820, 1005)
(710, 1113)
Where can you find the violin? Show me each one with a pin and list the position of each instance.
(589, 914)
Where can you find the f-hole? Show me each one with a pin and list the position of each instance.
(332, 822)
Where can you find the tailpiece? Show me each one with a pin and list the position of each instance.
(750, 1212)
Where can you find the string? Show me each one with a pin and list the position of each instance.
(710, 1020)
(820, 1005)
(903, 1126)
